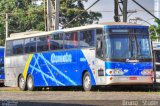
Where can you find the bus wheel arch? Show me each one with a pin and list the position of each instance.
(86, 81)
(30, 82)
(21, 82)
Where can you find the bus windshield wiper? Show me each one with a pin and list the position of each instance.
(131, 46)
(138, 54)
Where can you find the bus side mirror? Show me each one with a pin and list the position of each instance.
(99, 50)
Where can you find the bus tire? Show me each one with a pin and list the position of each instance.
(87, 82)
(1, 84)
(21, 83)
(30, 83)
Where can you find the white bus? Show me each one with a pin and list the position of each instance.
(100, 54)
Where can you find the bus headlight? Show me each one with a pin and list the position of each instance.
(146, 72)
(114, 72)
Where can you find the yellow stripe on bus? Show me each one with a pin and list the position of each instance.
(27, 66)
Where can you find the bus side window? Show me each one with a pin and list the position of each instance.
(33, 45)
(71, 40)
(26, 45)
(30, 45)
(56, 41)
(87, 38)
(42, 43)
(18, 47)
(9, 50)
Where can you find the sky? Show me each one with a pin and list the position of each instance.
(108, 5)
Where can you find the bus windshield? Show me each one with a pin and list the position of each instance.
(128, 46)
(143, 46)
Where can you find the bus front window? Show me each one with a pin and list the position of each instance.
(117, 46)
(128, 46)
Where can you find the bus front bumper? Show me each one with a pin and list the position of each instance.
(126, 80)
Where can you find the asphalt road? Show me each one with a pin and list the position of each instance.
(77, 97)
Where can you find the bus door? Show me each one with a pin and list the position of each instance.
(100, 59)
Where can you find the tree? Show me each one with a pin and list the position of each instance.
(71, 8)
(155, 30)
(26, 15)
(23, 16)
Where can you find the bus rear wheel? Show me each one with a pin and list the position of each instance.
(1, 84)
(22, 83)
(87, 82)
(30, 83)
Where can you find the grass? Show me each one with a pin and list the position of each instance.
(12, 89)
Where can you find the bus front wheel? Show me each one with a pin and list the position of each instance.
(22, 83)
(30, 84)
(87, 82)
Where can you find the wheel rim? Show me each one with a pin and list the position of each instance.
(21, 82)
(30, 82)
(87, 81)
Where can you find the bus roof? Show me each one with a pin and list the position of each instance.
(24, 33)
(41, 33)
(119, 23)
(2, 47)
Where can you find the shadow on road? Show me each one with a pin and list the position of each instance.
(116, 88)
(62, 103)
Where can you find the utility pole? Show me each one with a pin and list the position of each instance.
(120, 6)
(125, 12)
(49, 15)
(6, 25)
(52, 15)
(116, 11)
(45, 17)
(56, 23)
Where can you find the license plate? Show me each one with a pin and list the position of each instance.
(133, 78)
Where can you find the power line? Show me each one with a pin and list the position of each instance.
(81, 13)
(145, 9)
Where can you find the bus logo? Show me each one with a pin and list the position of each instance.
(66, 58)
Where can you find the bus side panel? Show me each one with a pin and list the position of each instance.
(63, 68)
(87, 62)
(55, 69)
(14, 66)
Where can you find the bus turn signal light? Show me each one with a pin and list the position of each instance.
(110, 72)
(111, 78)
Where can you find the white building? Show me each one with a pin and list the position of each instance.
(157, 8)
